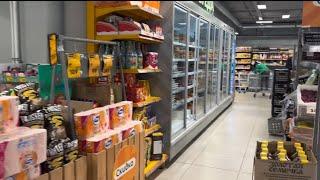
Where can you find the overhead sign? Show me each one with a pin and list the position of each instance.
(207, 5)
(311, 14)
(125, 165)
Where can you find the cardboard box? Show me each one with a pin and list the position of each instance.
(275, 170)
(96, 92)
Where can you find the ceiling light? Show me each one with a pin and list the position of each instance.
(260, 18)
(262, 6)
(236, 33)
(264, 22)
(286, 16)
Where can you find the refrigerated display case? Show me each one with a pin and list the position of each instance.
(195, 59)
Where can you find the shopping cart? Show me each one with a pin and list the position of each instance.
(243, 82)
(261, 84)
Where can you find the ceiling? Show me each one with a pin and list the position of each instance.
(247, 13)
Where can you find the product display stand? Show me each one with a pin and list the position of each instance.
(61, 58)
(312, 62)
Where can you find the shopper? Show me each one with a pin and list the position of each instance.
(263, 70)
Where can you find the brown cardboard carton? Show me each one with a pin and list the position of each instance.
(97, 92)
(275, 170)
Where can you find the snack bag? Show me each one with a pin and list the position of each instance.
(25, 92)
(70, 148)
(54, 123)
(33, 120)
(54, 156)
(91, 122)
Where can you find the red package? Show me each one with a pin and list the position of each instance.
(151, 60)
(104, 28)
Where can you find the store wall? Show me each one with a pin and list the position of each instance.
(38, 19)
(5, 34)
(259, 41)
(75, 23)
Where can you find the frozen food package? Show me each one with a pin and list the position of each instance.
(54, 122)
(22, 149)
(120, 113)
(9, 113)
(91, 122)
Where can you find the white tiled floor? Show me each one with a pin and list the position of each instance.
(226, 149)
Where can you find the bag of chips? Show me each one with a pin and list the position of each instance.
(54, 123)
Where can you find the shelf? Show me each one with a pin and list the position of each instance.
(136, 12)
(151, 130)
(190, 99)
(154, 165)
(243, 63)
(177, 75)
(268, 60)
(140, 71)
(192, 46)
(191, 60)
(148, 101)
(243, 52)
(242, 69)
(191, 73)
(190, 87)
(177, 105)
(132, 37)
(202, 62)
(179, 44)
(178, 90)
(179, 60)
(242, 58)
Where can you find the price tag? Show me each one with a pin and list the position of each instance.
(311, 110)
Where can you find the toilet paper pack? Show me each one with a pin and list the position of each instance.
(22, 149)
(9, 113)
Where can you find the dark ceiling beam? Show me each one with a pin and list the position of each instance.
(227, 13)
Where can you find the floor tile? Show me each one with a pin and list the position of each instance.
(207, 173)
(244, 176)
(176, 171)
(230, 162)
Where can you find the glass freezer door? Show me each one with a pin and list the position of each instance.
(192, 63)
(202, 68)
(223, 66)
(179, 70)
(212, 71)
(217, 57)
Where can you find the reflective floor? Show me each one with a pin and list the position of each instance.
(226, 149)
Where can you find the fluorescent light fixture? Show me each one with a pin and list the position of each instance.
(262, 6)
(286, 16)
(264, 22)
(236, 33)
(260, 18)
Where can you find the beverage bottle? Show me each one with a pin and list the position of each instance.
(131, 56)
(139, 56)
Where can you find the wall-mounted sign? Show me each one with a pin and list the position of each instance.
(311, 13)
(207, 5)
(125, 165)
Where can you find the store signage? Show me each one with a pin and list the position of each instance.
(311, 14)
(207, 5)
(125, 165)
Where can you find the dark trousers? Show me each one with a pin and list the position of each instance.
(264, 77)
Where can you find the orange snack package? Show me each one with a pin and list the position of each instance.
(91, 122)
(9, 113)
(119, 113)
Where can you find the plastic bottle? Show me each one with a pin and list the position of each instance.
(139, 56)
(131, 56)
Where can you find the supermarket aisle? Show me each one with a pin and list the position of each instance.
(226, 149)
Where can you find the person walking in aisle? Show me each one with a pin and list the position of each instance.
(263, 71)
